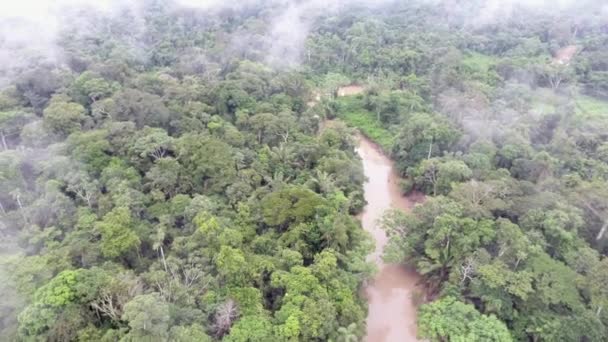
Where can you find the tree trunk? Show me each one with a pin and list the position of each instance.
(21, 210)
(517, 263)
(598, 215)
(600, 235)
(87, 197)
(555, 81)
(430, 150)
(162, 253)
(3, 138)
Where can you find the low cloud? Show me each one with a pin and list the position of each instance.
(291, 27)
(29, 28)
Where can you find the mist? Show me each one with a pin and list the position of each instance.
(168, 140)
(29, 29)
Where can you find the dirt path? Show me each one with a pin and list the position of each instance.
(392, 313)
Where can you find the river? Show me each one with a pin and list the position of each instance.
(392, 314)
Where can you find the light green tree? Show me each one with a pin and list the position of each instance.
(117, 233)
(448, 319)
(148, 318)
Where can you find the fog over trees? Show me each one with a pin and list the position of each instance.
(167, 173)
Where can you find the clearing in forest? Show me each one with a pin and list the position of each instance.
(350, 90)
(565, 55)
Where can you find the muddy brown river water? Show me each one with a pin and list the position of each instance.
(392, 313)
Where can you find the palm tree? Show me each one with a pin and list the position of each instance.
(324, 181)
(161, 232)
(16, 195)
(281, 153)
(276, 181)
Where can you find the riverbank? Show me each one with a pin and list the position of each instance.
(352, 111)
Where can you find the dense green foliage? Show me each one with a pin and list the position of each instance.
(509, 142)
(169, 198)
(164, 182)
(451, 318)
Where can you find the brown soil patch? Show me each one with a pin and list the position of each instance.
(565, 55)
(350, 90)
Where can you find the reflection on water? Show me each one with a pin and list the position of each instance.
(392, 314)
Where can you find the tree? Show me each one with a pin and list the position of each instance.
(35, 134)
(86, 189)
(90, 148)
(588, 197)
(115, 294)
(558, 226)
(261, 123)
(554, 75)
(192, 333)
(231, 98)
(56, 312)
(437, 176)
(448, 319)
(500, 287)
(450, 240)
(436, 237)
(290, 205)
(231, 264)
(11, 125)
(225, 315)
(307, 311)
(165, 176)
(348, 334)
(251, 329)
(117, 229)
(552, 283)
(152, 143)
(480, 199)
(208, 163)
(63, 117)
(148, 318)
(390, 107)
(37, 85)
(421, 137)
(514, 246)
(139, 107)
(89, 88)
(596, 279)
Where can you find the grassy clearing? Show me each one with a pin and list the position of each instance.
(479, 62)
(480, 68)
(586, 107)
(354, 114)
(543, 107)
(589, 107)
